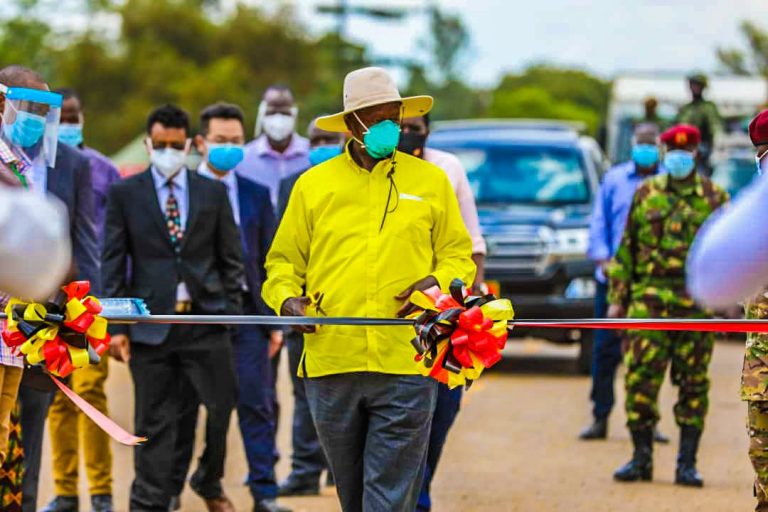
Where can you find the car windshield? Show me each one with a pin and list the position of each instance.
(547, 175)
(733, 174)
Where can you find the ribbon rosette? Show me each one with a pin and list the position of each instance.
(64, 334)
(457, 339)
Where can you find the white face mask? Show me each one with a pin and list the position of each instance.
(279, 127)
(168, 161)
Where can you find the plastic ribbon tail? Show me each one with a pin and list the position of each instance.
(114, 430)
(456, 339)
(63, 334)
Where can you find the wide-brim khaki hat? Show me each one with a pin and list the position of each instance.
(368, 87)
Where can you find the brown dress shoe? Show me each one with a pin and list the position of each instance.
(220, 504)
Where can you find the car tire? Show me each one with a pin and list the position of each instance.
(584, 361)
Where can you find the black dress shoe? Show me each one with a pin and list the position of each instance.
(269, 506)
(597, 430)
(102, 503)
(62, 504)
(293, 486)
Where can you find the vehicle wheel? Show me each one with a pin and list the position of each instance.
(584, 361)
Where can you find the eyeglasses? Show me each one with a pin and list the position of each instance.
(181, 146)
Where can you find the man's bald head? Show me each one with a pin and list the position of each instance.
(20, 76)
(646, 133)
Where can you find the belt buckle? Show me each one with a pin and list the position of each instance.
(183, 307)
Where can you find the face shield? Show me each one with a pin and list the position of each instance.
(30, 123)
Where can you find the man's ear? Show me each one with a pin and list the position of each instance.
(199, 143)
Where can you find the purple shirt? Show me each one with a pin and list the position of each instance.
(103, 175)
(267, 167)
(610, 211)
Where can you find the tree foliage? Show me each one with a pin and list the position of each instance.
(190, 52)
(752, 60)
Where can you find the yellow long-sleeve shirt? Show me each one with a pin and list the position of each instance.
(329, 242)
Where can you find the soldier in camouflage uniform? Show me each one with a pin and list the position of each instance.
(647, 280)
(703, 115)
(754, 376)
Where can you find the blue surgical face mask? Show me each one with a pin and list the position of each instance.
(380, 140)
(320, 154)
(26, 130)
(679, 163)
(645, 155)
(71, 134)
(225, 157)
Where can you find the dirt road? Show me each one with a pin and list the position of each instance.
(514, 446)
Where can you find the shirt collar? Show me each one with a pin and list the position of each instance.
(386, 163)
(179, 181)
(299, 146)
(228, 179)
(697, 185)
(9, 156)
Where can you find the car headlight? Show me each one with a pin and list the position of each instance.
(581, 288)
(570, 242)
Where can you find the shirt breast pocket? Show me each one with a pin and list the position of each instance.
(412, 220)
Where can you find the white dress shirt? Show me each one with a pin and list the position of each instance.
(181, 192)
(230, 181)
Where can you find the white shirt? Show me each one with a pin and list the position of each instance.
(457, 175)
(181, 192)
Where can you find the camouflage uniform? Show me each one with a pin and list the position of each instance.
(703, 115)
(754, 389)
(647, 276)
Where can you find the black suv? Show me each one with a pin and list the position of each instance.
(534, 182)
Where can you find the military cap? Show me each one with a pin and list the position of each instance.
(698, 78)
(758, 129)
(681, 135)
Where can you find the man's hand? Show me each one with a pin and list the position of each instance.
(603, 266)
(297, 306)
(120, 348)
(408, 308)
(616, 311)
(275, 342)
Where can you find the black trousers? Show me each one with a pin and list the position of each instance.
(202, 356)
(34, 411)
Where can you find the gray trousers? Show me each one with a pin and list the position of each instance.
(374, 429)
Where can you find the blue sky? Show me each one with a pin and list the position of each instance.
(605, 36)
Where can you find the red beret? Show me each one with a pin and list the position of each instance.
(758, 129)
(681, 135)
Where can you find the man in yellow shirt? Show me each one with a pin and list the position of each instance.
(365, 229)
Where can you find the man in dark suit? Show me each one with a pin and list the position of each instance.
(70, 181)
(178, 231)
(221, 139)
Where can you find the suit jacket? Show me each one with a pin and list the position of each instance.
(209, 261)
(70, 181)
(284, 192)
(257, 228)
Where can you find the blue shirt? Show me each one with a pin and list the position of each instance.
(230, 181)
(180, 191)
(610, 211)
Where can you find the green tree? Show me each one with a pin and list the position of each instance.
(750, 61)
(548, 92)
(190, 52)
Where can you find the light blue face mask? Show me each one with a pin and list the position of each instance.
(225, 157)
(26, 130)
(381, 139)
(645, 155)
(71, 134)
(320, 154)
(679, 163)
